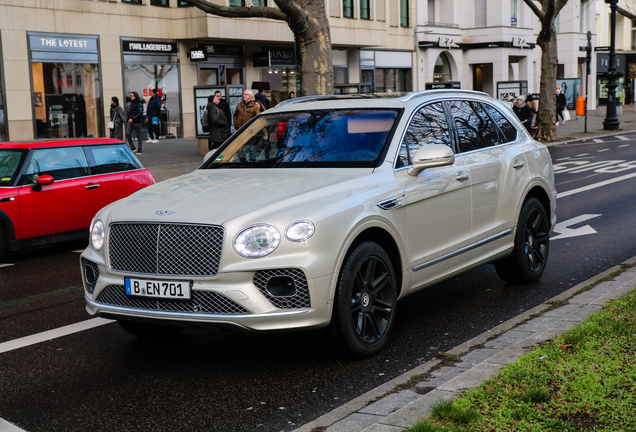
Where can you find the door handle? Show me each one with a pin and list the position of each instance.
(518, 164)
(461, 176)
(7, 199)
(92, 186)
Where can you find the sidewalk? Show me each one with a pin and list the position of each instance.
(384, 410)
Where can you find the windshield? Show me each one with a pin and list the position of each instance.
(329, 138)
(10, 161)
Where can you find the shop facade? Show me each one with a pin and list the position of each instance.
(386, 70)
(154, 65)
(66, 94)
(4, 127)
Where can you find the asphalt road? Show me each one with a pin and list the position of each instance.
(103, 379)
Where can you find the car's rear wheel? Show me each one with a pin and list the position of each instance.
(365, 304)
(529, 257)
(3, 244)
(148, 330)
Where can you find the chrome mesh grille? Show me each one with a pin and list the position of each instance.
(90, 287)
(202, 302)
(165, 249)
(300, 300)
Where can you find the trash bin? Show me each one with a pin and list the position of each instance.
(580, 105)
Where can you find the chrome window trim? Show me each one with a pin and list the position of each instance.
(463, 250)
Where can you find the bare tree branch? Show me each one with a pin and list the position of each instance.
(239, 12)
(296, 15)
(534, 8)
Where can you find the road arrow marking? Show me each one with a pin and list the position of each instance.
(564, 232)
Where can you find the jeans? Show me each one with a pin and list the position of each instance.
(153, 131)
(130, 128)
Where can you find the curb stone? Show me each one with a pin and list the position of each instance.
(480, 358)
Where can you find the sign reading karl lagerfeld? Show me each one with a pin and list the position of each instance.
(445, 42)
(150, 47)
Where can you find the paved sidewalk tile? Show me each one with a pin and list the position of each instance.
(355, 422)
(475, 357)
(537, 324)
(472, 378)
(383, 428)
(550, 333)
(419, 408)
(583, 313)
(511, 354)
(563, 311)
(586, 297)
(509, 338)
(440, 376)
(390, 403)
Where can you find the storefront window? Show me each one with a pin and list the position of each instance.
(67, 99)
(209, 76)
(442, 71)
(3, 115)
(164, 3)
(165, 78)
(397, 80)
(282, 80)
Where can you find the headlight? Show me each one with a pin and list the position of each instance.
(257, 241)
(300, 231)
(97, 235)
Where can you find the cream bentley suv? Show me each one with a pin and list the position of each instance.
(323, 212)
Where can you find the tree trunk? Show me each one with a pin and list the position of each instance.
(546, 117)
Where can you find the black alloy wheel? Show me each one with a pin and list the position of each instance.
(529, 257)
(364, 312)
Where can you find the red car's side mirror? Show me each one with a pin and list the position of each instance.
(43, 180)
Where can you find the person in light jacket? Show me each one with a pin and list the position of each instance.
(246, 109)
(118, 117)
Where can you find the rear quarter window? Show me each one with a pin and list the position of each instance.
(106, 159)
(507, 129)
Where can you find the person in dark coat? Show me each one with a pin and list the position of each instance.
(260, 97)
(560, 104)
(80, 116)
(153, 111)
(523, 112)
(219, 125)
(225, 107)
(118, 117)
(135, 119)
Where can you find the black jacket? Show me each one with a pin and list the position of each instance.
(219, 126)
(154, 107)
(561, 102)
(136, 111)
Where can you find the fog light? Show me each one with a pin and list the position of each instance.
(89, 275)
(281, 286)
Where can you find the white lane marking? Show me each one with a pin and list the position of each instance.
(5, 426)
(581, 155)
(622, 138)
(602, 150)
(52, 334)
(595, 185)
(598, 140)
(5, 265)
(565, 232)
(564, 158)
(624, 145)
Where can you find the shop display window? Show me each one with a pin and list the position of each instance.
(397, 80)
(67, 100)
(142, 78)
(3, 116)
(282, 80)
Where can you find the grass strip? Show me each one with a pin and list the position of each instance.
(584, 379)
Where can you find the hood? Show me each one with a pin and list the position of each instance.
(216, 196)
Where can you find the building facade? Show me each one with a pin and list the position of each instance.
(489, 46)
(61, 61)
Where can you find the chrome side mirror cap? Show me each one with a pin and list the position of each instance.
(430, 156)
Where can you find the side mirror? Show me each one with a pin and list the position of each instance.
(43, 180)
(430, 156)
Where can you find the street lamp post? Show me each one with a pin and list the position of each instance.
(611, 120)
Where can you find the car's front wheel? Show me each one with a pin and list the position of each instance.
(529, 257)
(147, 330)
(364, 309)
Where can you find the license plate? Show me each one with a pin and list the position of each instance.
(179, 290)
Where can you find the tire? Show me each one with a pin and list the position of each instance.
(365, 303)
(529, 257)
(147, 330)
(3, 243)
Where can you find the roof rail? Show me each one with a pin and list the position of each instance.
(420, 93)
(339, 97)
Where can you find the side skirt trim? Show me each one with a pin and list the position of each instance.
(463, 250)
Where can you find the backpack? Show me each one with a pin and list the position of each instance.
(204, 121)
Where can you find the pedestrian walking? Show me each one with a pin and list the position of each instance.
(219, 125)
(523, 112)
(260, 97)
(533, 108)
(80, 117)
(135, 119)
(246, 109)
(153, 111)
(560, 104)
(117, 118)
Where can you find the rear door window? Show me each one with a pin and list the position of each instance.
(475, 129)
(106, 159)
(508, 131)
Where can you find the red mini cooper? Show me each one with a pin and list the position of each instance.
(50, 190)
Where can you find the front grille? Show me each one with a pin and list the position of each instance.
(202, 302)
(90, 286)
(300, 300)
(165, 249)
